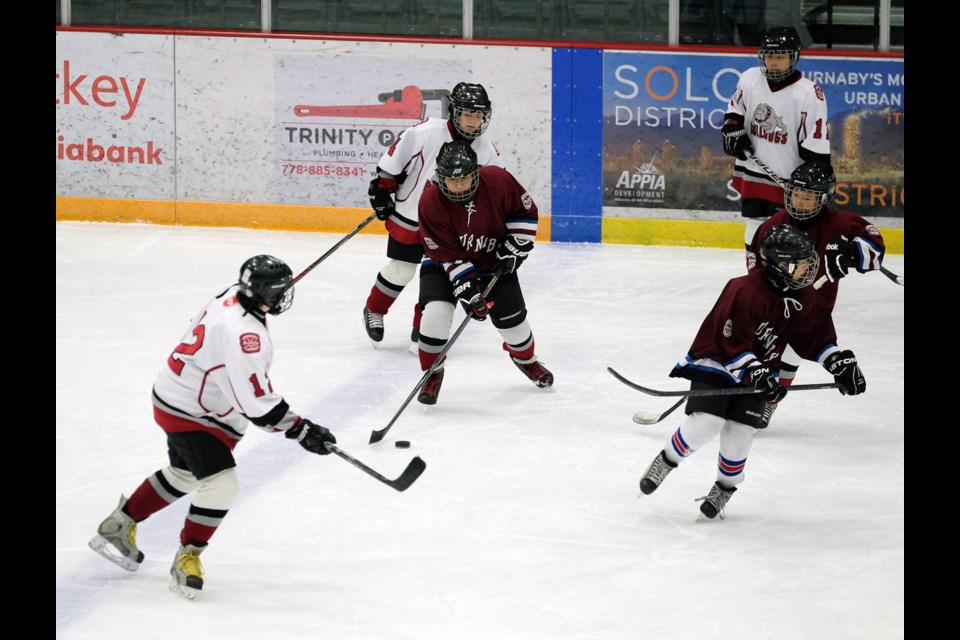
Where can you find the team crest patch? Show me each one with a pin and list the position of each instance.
(229, 302)
(728, 328)
(250, 343)
(430, 243)
(526, 199)
(751, 260)
(872, 230)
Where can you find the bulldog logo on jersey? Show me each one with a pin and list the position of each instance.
(250, 343)
(768, 125)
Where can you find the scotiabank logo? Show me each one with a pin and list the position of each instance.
(92, 151)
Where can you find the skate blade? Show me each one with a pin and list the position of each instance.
(703, 518)
(183, 591)
(109, 552)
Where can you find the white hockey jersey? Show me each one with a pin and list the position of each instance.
(217, 378)
(779, 123)
(415, 154)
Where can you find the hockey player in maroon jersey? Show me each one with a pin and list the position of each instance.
(212, 386)
(474, 220)
(778, 116)
(402, 173)
(740, 343)
(842, 239)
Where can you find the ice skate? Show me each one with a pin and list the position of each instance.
(116, 539)
(373, 323)
(535, 370)
(715, 501)
(659, 469)
(431, 388)
(186, 573)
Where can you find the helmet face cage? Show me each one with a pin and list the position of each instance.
(457, 159)
(267, 281)
(818, 200)
(784, 252)
(779, 41)
(470, 98)
(812, 178)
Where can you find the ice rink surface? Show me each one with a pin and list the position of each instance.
(526, 523)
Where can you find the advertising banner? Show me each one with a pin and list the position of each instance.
(115, 116)
(337, 120)
(662, 147)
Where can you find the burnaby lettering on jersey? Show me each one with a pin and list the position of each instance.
(769, 339)
(470, 242)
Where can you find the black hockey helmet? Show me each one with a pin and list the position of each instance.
(788, 257)
(812, 177)
(266, 281)
(780, 40)
(457, 159)
(469, 97)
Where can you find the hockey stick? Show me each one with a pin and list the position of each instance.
(645, 417)
(335, 247)
(767, 170)
(890, 274)
(377, 436)
(402, 483)
(730, 391)
(823, 279)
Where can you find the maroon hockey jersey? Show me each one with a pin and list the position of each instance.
(865, 240)
(751, 323)
(463, 237)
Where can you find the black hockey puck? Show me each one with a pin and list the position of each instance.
(402, 444)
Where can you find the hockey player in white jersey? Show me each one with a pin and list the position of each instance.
(214, 383)
(394, 193)
(778, 116)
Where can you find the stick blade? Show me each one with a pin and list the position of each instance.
(410, 474)
(377, 436)
(645, 417)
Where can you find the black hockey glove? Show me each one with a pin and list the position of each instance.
(312, 437)
(842, 365)
(835, 257)
(765, 380)
(470, 296)
(512, 253)
(381, 197)
(736, 142)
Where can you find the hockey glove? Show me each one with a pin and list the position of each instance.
(470, 296)
(842, 365)
(765, 380)
(381, 196)
(835, 257)
(513, 252)
(312, 437)
(736, 142)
